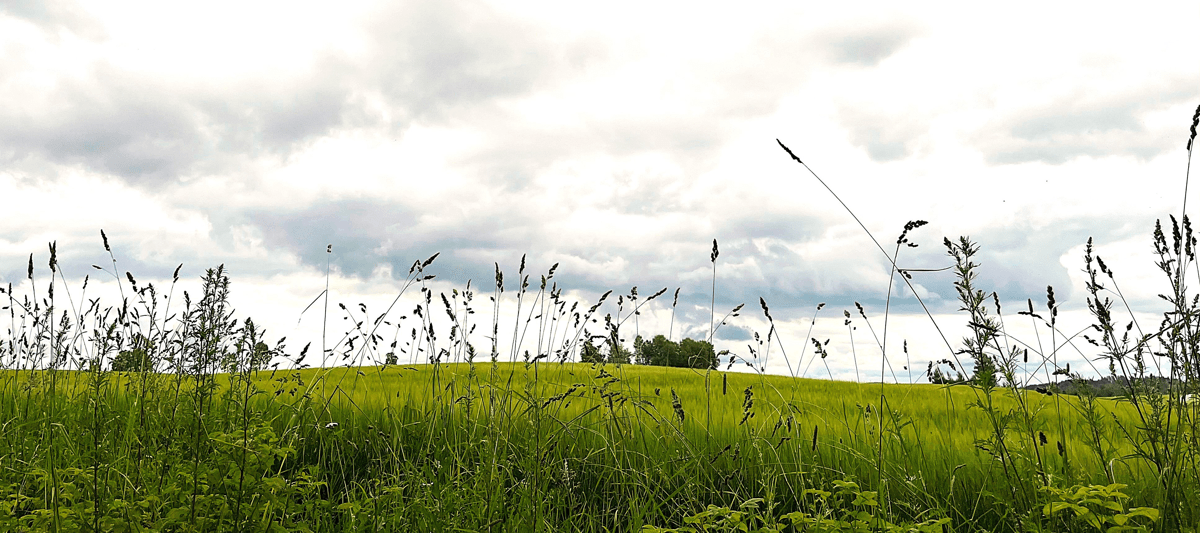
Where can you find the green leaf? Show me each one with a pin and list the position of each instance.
(798, 517)
(1054, 507)
(867, 498)
(752, 503)
(1148, 512)
(821, 494)
(1088, 516)
(843, 486)
(1113, 505)
(177, 514)
(933, 526)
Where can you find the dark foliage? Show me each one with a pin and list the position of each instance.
(661, 351)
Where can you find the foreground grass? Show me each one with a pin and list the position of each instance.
(504, 447)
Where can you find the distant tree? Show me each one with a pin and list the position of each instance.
(698, 354)
(688, 353)
(938, 377)
(658, 351)
(249, 353)
(138, 358)
(935, 375)
(589, 353)
(618, 354)
(261, 356)
(986, 373)
(390, 358)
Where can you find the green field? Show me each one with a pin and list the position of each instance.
(515, 447)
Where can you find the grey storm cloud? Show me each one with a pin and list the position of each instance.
(730, 332)
(868, 46)
(435, 56)
(368, 233)
(112, 123)
(886, 136)
(1020, 261)
(358, 228)
(427, 59)
(1075, 126)
(792, 227)
(74, 263)
(252, 119)
(150, 133)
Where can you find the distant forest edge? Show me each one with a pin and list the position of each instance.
(659, 351)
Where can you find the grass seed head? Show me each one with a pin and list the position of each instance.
(1195, 122)
(677, 406)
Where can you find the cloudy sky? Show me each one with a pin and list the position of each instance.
(615, 139)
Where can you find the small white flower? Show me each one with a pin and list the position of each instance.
(331, 425)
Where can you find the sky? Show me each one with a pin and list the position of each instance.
(616, 140)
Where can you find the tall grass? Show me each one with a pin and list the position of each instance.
(142, 416)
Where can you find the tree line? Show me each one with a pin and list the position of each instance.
(659, 351)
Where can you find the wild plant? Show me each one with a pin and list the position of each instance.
(1096, 508)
